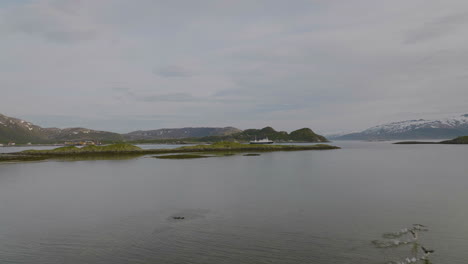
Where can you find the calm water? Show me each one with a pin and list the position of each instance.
(149, 146)
(282, 207)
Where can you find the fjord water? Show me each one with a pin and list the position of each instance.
(280, 207)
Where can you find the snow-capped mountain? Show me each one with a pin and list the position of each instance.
(415, 129)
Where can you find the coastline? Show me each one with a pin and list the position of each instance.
(456, 141)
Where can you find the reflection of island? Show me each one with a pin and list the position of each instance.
(458, 140)
(117, 151)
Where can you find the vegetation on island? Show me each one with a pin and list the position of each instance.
(122, 149)
(458, 140)
(235, 146)
(116, 148)
(300, 135)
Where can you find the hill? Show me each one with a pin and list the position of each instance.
(414, 129)
(22, 132)
(300, 135)
(81, 134)
(458, 140)
(178, 133)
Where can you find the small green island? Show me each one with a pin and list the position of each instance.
(458, 140)
(121, 150)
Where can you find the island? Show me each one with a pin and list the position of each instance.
(458, 140)
(124, 150)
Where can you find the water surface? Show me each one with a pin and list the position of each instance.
(280, 207)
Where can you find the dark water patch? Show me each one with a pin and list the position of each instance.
(18, 158)
(182, 156)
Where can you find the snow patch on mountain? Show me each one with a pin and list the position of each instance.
(409, 125)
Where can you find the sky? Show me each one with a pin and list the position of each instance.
(331, 65)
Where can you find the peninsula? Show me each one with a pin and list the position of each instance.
(458, 141)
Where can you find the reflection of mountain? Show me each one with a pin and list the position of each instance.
(414, 129)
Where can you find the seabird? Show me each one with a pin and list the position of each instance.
(427, 251)
(415, 235)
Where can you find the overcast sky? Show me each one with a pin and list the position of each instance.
(331, 65)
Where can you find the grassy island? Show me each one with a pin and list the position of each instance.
(128, 150)
(239, 147)
(115, 148)
(458, 140)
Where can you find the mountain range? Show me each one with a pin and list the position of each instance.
(300, 135)
(445, 128)
(22, 132)
(177, 133)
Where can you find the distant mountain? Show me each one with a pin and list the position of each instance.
(21, 132)
(179, 133)
(300, 135)
(79, 133)
(414, 129)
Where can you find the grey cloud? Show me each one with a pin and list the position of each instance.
(437, 28)
(186, 98)
(173, 71)
(170, 97)
(50, 20)
(69, 36)
(285, 63)
(268, 108)
(120, 89)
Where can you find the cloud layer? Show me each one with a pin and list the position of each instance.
(329, 65)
